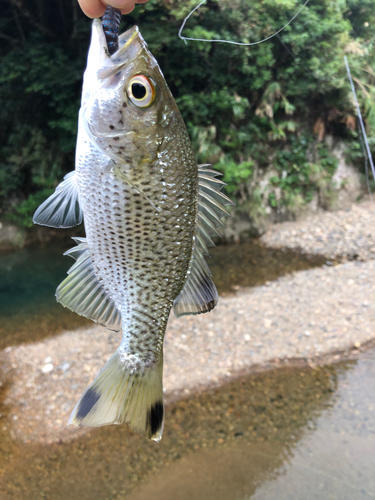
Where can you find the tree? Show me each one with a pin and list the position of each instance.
(245, 107)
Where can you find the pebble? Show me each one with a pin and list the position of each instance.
(345, 234)
(48, 368)
(65, 366)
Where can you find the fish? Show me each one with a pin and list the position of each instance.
(150, 213)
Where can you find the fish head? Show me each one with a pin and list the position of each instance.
(126, 101)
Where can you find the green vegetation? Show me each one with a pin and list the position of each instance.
(247, 109)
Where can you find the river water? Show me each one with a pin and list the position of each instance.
(291, 433)
(29, 278)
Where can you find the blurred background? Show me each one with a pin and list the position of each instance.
(275, 118)
(272, 395)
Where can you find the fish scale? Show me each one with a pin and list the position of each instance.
(156, 245)
(149, 212)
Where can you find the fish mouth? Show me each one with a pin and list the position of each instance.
(129, 44)
(110, 24)
(126, 39)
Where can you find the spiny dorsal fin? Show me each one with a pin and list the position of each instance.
(199, 294)
(83, 293)
(62, 209)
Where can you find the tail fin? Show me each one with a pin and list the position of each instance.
(120, 395)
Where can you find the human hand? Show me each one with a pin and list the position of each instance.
(96, 8)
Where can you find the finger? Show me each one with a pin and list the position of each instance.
(96, 8)
(92, 8)
(125, 6)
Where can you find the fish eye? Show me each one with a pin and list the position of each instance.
(141, 91)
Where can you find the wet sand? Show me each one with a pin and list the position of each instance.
(226, 443)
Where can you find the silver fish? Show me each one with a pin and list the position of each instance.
(149, 212)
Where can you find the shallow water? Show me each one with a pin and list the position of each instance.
(29, 278)
(286, 434)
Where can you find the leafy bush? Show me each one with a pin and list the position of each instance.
(245, 107)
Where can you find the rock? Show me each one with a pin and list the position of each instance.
(346, 179)
(48, 368)
(14, 238)
(65, 366)
(11, 237)
(336, 235)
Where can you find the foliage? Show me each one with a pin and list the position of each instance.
(298, 177)
(246, 108)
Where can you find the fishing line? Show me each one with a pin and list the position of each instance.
(366, 161)
(184, 38)
(369, 156)
(117, 171)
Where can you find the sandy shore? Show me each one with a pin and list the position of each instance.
(301, 316)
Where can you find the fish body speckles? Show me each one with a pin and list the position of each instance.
(149, 214)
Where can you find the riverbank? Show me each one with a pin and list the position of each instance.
(305, 316)
(310, 316)
(13, 238)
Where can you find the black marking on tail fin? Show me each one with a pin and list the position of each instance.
(155, 417)
(87, 403)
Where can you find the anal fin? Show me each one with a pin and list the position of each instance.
(199, 294)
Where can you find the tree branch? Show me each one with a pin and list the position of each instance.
(74, 30)
(18, 24)
(33, 21)
(12, 41)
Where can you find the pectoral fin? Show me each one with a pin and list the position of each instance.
(62, 209)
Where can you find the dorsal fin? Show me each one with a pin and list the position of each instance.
(199, 294)
(62, 209)
(83, 293)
